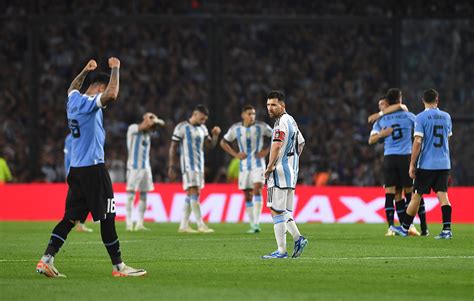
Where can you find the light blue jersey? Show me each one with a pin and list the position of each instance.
(435, 127)
(67, 153)
(84, 114)
(399, 143)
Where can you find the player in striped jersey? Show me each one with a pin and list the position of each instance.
(139, 177)
(191, 136)
(250, 140)
(282, 175)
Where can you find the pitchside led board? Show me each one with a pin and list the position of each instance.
(224, 203)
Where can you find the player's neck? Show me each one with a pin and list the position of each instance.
(248, 124)
(192, 122)
(429, 106)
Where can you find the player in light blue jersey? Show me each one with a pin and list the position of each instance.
(90, 187)
(81, 225)
(430, 161)
(396, 129)
(251, 152)
(190, 137)
(282, 174)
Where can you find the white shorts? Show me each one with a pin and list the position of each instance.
(193, 179)
(249, 177)
(140, 180)
(280, 199)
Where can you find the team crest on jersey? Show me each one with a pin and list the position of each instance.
(279, 135)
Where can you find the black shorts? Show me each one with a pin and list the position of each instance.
(90, 190)
(426, 180)
(395, 171)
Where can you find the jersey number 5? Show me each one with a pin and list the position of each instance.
(437, 132)
(74, 127)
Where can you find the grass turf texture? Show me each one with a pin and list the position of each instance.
(342, 262)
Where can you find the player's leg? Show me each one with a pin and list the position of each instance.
(422, 216)
(276, 201)
(258, 180)
(197, 180)
(389, 207)
(412, 231)
(441, 189)
(249, 209)
(81, 226)
(132, 188)
(184, 224)
(400, 204)
(299, 240)
(146, 185)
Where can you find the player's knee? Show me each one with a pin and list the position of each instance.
(143, 196)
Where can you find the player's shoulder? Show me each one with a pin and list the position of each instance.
(181, 124)
(235, 125)
(133, 127)
(261, 123)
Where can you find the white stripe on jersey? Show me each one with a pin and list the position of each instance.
(191, 140)
(250, 141)
(287, 164)
(138, 145)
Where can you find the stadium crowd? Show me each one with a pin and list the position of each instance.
(332, 76)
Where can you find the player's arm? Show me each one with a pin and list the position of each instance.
(111, 92)
(390, 109)
(274, 151)
(376, 136)
(231, 151)
(415, 152)
(211, 142)
(264, 152)
(173, 160)
(79, 80)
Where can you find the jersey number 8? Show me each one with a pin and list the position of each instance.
(74, 127)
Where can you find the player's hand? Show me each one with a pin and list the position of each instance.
(172, 174)
(91, 65)
(160, 122)
(373, 118)
(268, 171)
(215, 131)
(412, 171)
(404, 107)
(241, 156)
(261, 154)
(114, 62)
(386, 132)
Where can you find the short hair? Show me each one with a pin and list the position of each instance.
(99, 78)
(201, 108)
(430, 96)
(393, 95)
(276, 94)
(247, 107)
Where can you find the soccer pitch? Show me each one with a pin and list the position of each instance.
(342, 262)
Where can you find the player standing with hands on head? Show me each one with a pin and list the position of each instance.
(430, 162)
(139, 176)
(90, 187)
(282, 174)
(191, 136)
(250, 136)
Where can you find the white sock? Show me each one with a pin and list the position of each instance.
(257, 208)
(196, 209)
(141, 208)
(279, 227)
(186, 213)
(48, 258)
(250, 212)
(291, 226)
(129, 207)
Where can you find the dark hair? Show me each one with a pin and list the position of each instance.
(276, 94)
(98, 78)
(430, 96)
(202, 109)
(393, 95)
(247, 107)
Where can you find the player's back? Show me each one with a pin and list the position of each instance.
(138, 145)
(191, 138)
(435, 127)
(400, 142)
(85, 118)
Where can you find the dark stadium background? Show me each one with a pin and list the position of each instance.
(333, 59)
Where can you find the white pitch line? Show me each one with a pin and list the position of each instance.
(248, 258)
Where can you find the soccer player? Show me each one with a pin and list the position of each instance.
(191, 136)
(282, 174)
(430, 162)
(250, 139)
(396, 130)
(139, 177)
(90, 187)
(81, 226)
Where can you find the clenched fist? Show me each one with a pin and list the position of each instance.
(114, 62)
(91, 65)
(215, 131)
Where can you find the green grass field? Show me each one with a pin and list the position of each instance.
(342, 262)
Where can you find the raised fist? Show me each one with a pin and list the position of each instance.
(91, 65)
(215, 131)
(114, 62)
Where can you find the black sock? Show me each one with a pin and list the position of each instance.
(110, 239)
(407, 221)
(58, 237)
(422, 216)
(446, 210)
(83, 220)
(400, 206)
(389, 209)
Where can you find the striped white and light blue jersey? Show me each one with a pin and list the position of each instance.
(250, 141)
(138, 145)
(191, 140)
(286, 170)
